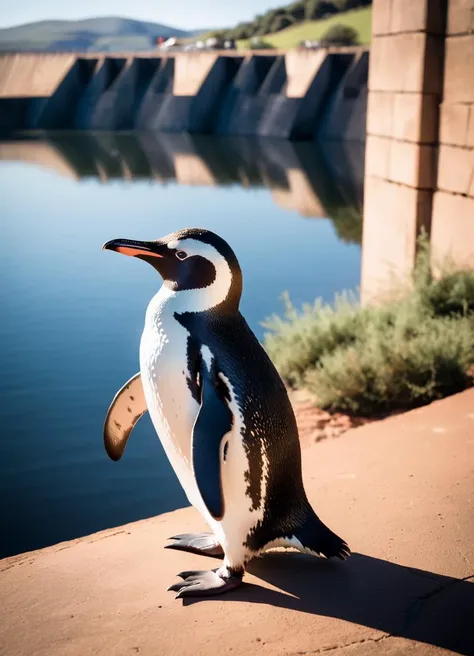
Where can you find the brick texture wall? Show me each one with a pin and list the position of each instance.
(420, 138)
(452, 223)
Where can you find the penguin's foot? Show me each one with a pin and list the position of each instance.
(207, 583)
(204, 544)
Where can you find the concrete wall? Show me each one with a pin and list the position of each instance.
(420, 139)
(30, 76)
(27, 83)
(279, 95)
(346, 111)
(161, 85)
(59, 110)
(405, 91)
(452, 227)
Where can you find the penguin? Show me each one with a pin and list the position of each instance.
(221, 412)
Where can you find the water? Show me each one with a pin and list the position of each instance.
(72, 315)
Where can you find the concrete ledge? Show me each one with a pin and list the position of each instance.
(398, 490)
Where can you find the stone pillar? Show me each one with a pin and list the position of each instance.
(453, 205)
(405, 86)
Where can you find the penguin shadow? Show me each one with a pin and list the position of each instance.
(400, 601)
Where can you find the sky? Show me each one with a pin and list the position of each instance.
(186, 14)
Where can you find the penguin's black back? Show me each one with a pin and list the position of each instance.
(269, 426)
(268, 416)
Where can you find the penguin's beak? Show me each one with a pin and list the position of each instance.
(133, 248)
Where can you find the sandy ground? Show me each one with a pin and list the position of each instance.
(401, 491)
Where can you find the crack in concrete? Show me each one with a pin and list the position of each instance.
(325, 650)
(416, 608)
(412, 613)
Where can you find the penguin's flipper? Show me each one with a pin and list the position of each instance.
(213, 421)
(125, 410)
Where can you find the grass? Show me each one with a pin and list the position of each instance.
(377, 359)
(290, 37)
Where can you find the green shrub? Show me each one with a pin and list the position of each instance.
(340, 35)
(280, 23)
(376, 359)
(256, 43)
(296, 10)
(316, 9)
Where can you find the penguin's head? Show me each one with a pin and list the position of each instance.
(196, 264)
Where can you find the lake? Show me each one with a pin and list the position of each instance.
(72, 314)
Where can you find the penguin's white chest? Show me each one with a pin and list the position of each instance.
(172, 408)
(164, 369)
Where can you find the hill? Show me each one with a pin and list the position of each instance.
(105, 33)
(358, 19)
(290, 15)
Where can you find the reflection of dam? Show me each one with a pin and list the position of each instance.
(314, 181)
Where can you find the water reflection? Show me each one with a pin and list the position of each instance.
(324, 180)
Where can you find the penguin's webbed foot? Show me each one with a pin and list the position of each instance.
(204, 544)
(207, 583)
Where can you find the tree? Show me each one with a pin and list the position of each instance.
(297, 11)
(280, 23)
(265, 26)
(346, 5)
(218, 34)
(316, 9)
(242, 31)
(340, 35)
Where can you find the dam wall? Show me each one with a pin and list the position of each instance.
(283, 95)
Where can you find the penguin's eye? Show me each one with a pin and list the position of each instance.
(181, 255)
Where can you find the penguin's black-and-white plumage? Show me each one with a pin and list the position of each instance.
(221, 411)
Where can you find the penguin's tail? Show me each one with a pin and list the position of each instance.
(318, 538)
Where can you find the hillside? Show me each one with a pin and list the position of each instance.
(359, 19)
(104, 33)
(283, 17)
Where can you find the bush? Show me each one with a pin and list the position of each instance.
(340, 35)
(265, 23)
(259, 44)
(347, 5)
(280, 23)
(242, 31)
(376, 359)
(296, 11)
(316, 9)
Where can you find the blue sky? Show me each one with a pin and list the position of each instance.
(186, 14)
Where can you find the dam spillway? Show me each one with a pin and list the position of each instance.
(302, 94)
